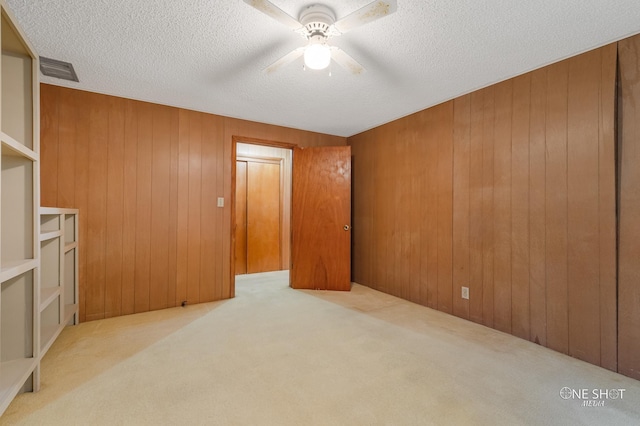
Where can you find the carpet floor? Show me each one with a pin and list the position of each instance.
(277, 356)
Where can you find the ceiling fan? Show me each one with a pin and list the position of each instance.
(317, 23)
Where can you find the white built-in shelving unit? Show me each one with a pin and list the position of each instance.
(19, 222)
(58, 273)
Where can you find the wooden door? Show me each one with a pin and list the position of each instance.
(258, 217)
(321, 219)
(263, 217)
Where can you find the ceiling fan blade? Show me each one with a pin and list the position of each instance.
(286, 59)
(346, 61)
(369, 13)
(268, 8)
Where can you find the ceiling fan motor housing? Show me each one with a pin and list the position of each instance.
(317, 20)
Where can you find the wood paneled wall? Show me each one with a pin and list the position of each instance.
(145, 178)
(629, 243)
(510, 191)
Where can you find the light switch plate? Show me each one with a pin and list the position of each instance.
(220, 201)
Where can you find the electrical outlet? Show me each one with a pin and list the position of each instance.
(465, 293)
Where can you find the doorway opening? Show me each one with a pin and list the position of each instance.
(319, 212)
(262, 206)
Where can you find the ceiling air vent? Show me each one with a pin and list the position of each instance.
(57, 69)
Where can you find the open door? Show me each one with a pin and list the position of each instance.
(321, 219)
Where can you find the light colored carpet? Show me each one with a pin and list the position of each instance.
(279, 356)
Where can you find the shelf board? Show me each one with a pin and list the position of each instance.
(69, 311)
(70, 246)
(13, 268)
(16, 147)
(48, 295)
(49, 210)
(48, 335)
(13, 375)
(46, 236)
(57, 210)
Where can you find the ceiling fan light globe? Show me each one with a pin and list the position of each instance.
(317, 56)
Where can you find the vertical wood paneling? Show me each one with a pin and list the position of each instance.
(173, 210)
(502, 206)
(160, 181)
(384, 216)
(183, 208)
(82, 193)
(431, 202)
(583, 272)
(607, 206)
(115, 200)
(530, 162)
(221, 271)
(520, 292)
(208, 228)
(66, 148)
(475, 207)
(392, 194)
(195, 207)
(461, 199)
(488, 247)
(360, 255)
(49, 151)
(629, 243)
(411, 240)
(391, 219)
(537, 211)
(130, 206)
(146, 178)
(394, 229)
(228, 278)
(422, 152)
(369, 212)
(96, 208)
(143, 207)
(415, 215)
(401, 231)
(556, 208)
(445, 206)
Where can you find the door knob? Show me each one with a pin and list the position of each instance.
(347, 227)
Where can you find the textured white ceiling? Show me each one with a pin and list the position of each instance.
(208, 55)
